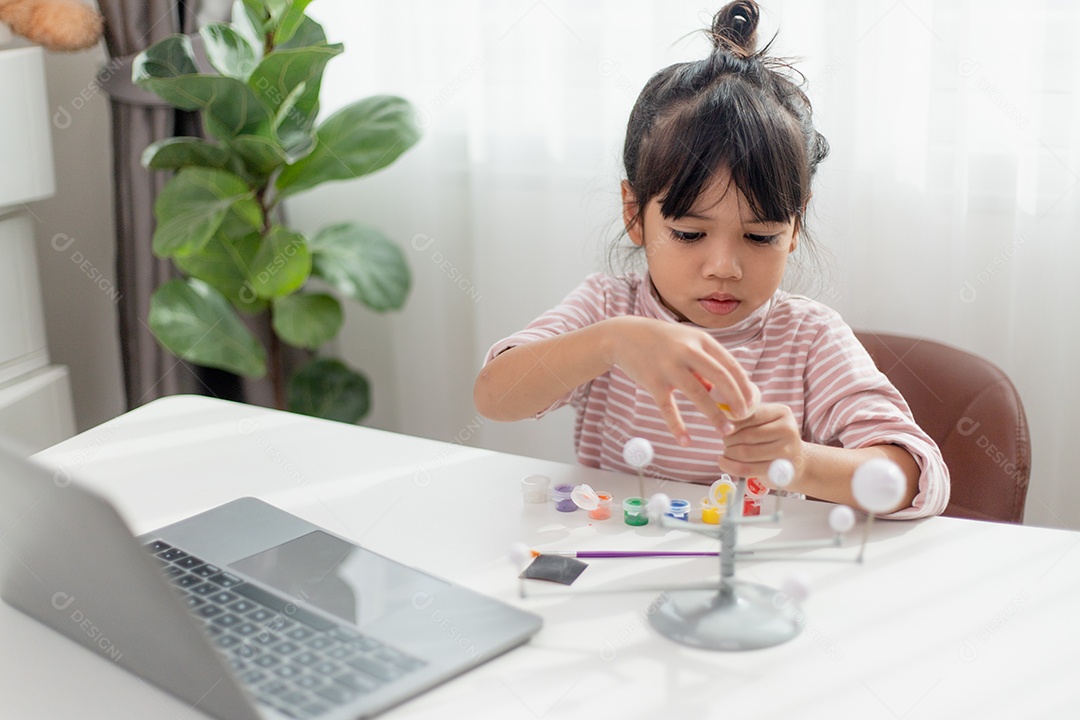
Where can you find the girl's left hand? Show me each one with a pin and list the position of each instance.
(752, 444)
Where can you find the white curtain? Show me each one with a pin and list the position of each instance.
(947, 209)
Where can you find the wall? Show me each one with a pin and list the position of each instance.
(75, 238)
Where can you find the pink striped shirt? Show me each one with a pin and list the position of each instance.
(796, 350)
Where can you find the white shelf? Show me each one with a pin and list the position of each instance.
(35, 398)
(22, 322)
(36, 410)
(26, 163)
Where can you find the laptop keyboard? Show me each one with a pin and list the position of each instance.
(290, 659)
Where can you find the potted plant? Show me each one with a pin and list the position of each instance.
(219, 219)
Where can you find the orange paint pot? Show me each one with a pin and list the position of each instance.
(603, 510)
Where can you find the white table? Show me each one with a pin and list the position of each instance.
(947, 618)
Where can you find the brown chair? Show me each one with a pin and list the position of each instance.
(972, 411)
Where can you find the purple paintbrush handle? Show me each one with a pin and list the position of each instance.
(639, 554)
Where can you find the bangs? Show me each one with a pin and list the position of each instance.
(727, 127)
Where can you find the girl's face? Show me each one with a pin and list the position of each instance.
(717, 264)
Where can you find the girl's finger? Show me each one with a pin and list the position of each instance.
(741, 469)
(733, 386)
(726, 390)
(670, 413)
(696, 391)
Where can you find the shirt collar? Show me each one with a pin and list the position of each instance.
(742, 332)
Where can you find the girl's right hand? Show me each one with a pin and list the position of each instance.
(663, 357)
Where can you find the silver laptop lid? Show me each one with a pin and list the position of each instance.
(69, 560)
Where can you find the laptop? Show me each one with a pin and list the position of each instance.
(243, 611)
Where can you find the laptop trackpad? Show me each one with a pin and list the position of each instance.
(353, 584)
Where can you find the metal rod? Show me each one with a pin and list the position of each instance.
(626, 553)
(798, 558)
(632, 588)
(835, 541)
(865, 536)
(729, 538)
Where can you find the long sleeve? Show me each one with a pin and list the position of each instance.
(849, 402)
(583, 306)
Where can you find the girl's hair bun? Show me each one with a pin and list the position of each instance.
(734, 28)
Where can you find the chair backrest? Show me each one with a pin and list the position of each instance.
(972, 411)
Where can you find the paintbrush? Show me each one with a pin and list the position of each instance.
(619, 553)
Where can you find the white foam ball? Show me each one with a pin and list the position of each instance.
(841, 519)
(520, 553)
(659, 503)
(878, 485)
(781, 472)
(637, 452)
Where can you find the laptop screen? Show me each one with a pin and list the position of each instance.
(355, 585)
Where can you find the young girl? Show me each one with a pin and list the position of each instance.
(719, 155)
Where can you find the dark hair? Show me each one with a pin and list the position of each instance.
(737, 110)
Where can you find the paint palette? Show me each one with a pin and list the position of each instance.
(554, 568)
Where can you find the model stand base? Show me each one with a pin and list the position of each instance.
(740, 616)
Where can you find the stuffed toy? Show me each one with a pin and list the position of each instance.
(64, 25)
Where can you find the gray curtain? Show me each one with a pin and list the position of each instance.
(138, 119)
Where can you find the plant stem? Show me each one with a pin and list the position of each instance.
(267, 209)
(277, 371)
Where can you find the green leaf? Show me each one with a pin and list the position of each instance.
(277, 9)
(309, 33)
(179, 152)
(248, 21)
(195, 322)
(229, 51)
(356, 140)
(282, 71)
(307, 321)
(290, 21)
(327, 388)
(169, 57)
(293, 129)
(225, 263)
(229, 104)
(274, 145)
(287, 84)
(282, 264)
(362, 263)
(262, 154)
(257, 8)
(192, 206)
(167, 68)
